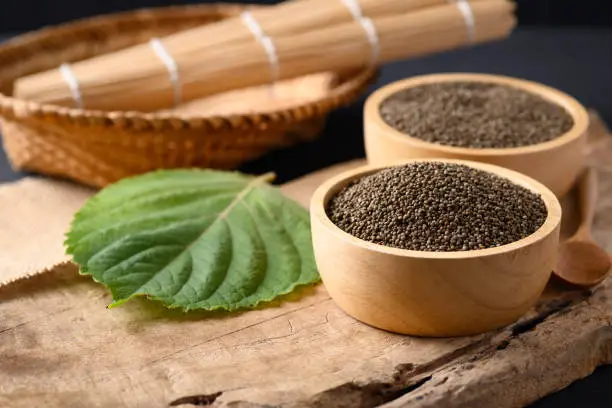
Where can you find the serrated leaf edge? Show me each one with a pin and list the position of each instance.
(259, 180)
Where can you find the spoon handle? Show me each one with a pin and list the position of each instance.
(587, 195)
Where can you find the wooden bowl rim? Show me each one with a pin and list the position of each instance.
(342, 90)
(326, 190)
(574, 108)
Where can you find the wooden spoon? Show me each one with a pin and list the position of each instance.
(581, 260)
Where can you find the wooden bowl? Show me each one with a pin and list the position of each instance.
(437, 294)
(555, 163)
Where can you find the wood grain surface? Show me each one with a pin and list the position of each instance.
(61, 347)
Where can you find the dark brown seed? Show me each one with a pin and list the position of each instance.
(475, 114)
(403, 207)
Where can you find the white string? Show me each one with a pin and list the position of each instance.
(173, 72)
(73, 84)
(367, 25)
(265, 41)
(354, 7)
(370, 30)
(468, 15)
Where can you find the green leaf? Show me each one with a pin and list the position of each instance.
(194, 239)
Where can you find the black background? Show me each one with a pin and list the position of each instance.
(19, 15)
(563, 43)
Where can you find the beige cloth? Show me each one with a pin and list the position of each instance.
(34, 215)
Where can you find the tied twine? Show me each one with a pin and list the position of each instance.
(161, 52)
(354, 8)
(73, 84)
(468, 15)
(172, 67)
(267, 44)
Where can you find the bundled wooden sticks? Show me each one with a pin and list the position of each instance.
(295, 38)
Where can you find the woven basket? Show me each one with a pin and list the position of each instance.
(97, 148)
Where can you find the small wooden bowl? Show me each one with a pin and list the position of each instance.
(437, 294)
(555, 163)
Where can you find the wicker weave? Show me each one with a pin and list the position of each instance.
(97, 148)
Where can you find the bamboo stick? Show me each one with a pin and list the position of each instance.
(109, 83)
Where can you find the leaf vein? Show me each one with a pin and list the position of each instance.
(247, 189)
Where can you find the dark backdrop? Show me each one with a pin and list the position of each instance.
(20, 15)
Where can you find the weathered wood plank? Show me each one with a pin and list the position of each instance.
(60, 346)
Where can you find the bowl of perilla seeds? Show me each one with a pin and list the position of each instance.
(522, 125)
(435, 247)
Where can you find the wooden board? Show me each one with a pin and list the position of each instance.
(61, 347)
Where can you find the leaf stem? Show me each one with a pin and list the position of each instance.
(267, 177)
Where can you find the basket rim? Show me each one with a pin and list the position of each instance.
(340, 93)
